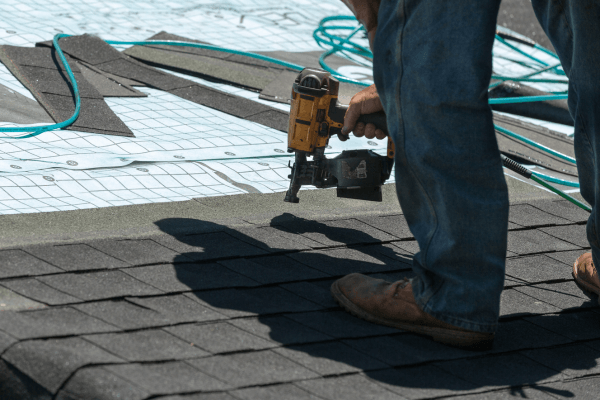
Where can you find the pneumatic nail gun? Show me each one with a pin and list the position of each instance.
(315, 116)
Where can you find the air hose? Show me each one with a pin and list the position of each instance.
(521, 170)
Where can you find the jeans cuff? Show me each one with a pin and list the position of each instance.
(423, 300)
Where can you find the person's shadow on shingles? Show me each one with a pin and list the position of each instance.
(375, 355)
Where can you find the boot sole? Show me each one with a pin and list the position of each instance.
(466, 340)
(589, 290)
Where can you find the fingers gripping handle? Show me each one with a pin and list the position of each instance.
(377, 119)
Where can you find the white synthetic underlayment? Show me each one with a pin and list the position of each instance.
(182, 150)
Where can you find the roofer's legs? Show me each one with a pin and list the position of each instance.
(432, 68)
(573, 27)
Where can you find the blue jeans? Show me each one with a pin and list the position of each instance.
(432, 68)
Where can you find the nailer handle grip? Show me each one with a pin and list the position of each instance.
(378, 119)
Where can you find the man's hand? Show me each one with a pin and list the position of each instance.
(366, 13)
(364, 102)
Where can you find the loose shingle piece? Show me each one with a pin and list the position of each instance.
(39, 70)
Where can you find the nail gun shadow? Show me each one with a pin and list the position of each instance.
(385, 355)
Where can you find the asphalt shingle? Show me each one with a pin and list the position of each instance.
(279, 329)
(317, 292)
(521, 334)
(420, 382)
(50, 322)
(395, 225)
(36, 290)
(562, 208)
(499, 371)
(75, 257)
(274, 269)
(220, 337)
(539, 268)
(330, 358)
(186, 277)
(167, 378)
(178, 308)
(147, 345)
(6, 341)
(286, 391)
(535, 241)
(136, 251)
(514, 303)
(405, 349)
(19, 263)
(249, 302)
(351, 387)
(125, 315)
(573, 360)
(51, 362)
(274, 240)
(99, 285)
(527, 215)
(209, 246)
(256, 368)
(338, 262)
(575, 326)
(340, 324)
(98, 383)
(574, 234)
(561, 295)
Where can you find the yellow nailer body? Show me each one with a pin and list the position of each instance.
(315, 116)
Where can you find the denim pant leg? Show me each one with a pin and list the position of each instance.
(573, 27)
(432, 67)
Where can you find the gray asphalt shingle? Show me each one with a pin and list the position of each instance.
(98, 383)
(36, 290)
(124, 314)
(339, 262)
(330, 358)
(279, 329)
(561, 295)
(538, 268)
(351, 387)
(99, 285)
(19, 263)
(527, 215)
(395, 225)
(535, 241)
(51, 362)
(168, 378)
(562, 208)
(514, 303)
(255, 368)
(50, 322)
(219, 337)
(574, 234)
(147, 345)
(136, 252)
(498, 371)
(340, 324)
(178, 308)
(75, 257)
(209, 246)
(274, 269)
(186, 277)
(575, 326)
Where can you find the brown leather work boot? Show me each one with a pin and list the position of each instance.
(393, 304)
(586, 276)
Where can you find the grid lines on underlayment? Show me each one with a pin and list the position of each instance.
(247, 25)
(60, 190)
